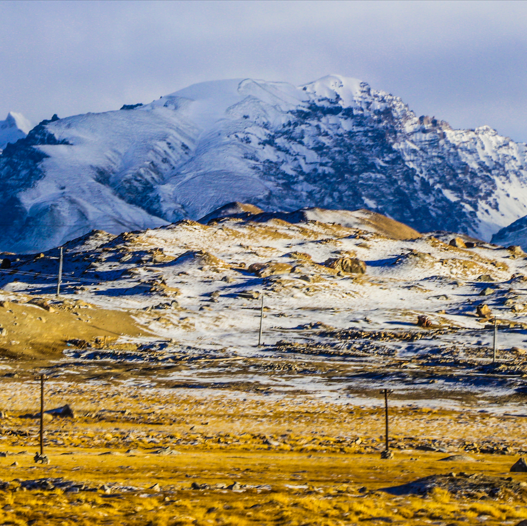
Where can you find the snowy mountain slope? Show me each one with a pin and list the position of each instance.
(334, 143)
(15, 127)
(514, 234)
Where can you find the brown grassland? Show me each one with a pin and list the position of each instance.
(144, 455)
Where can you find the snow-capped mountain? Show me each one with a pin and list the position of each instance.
(15, 127)
(335, 143)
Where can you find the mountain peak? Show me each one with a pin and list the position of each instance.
(335, 87)
(15, 127)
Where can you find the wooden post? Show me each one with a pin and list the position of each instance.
(387, 424)
(60, 272)
(40, 457)
(261, 322)
(41, 415)
(386, 454)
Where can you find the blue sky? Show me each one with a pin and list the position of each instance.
(463, 62)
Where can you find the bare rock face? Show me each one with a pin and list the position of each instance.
(483, 311)
(457, 242)
(347, 265)
(519, 467)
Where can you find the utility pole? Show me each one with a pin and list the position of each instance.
(60, 272)
(261, 322)
(40, 457)
(386, 454)
(495, 343)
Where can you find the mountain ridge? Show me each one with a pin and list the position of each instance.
(334, 143)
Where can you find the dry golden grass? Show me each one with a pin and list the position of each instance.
(301, 478)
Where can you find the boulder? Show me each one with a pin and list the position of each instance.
(516, 250)
(457, 242)
(485, 277)
(64, 412)
(486, 292)
(483, 311)
(42, 303)
(347, 265)
(423, 321)
(6, 263)
(519, 467)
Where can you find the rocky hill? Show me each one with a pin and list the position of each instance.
(335, 143)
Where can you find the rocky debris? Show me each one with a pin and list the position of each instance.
(387, 454)
(519, 467)
(483, 311)
(167, 305)
(457, 242)
(235, 486)
(462, 485)
(165, 451)
(424, 321)
(518, 350)
(67, 486)
(347, 265)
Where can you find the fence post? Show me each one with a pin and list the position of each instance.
(60, 272)
(261, 322)
(40, 457)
